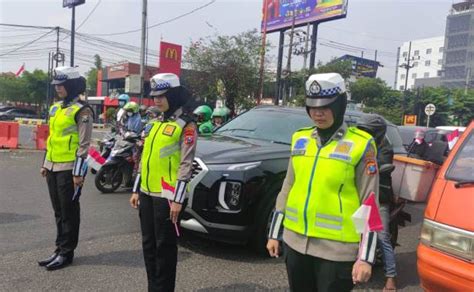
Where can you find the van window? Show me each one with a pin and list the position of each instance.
(462, 166)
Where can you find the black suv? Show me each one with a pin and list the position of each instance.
(239, 171)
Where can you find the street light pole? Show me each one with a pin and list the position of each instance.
(73, 33)
(142, 51)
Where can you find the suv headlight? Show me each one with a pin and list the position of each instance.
(454, 241)
(230, 195)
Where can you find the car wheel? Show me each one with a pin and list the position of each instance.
(263, 221)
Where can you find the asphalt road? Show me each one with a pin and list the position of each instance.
(109, 256)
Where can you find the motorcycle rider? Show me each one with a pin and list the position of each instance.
(331, 171)
(219, 116)
(203, 116)
(121, 117)
(134, 120)
(143, 114)
(376, 126)
(70, 130)
(160, 187)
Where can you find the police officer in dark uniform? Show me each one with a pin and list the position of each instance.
(64, 166)
(160, 187)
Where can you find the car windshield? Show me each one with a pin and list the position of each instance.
(462, 166)
(265, 124)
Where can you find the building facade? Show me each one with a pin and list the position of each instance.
(425, 57)
(458, 66)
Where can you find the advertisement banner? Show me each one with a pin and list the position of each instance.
(170, 58)
(280, 13)
(361, 67)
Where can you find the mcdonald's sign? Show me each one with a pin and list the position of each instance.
(170, 58)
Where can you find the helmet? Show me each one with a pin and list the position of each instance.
(323, 89)
(131, 107)
(123, 99)
(63, 74)
(153, 110)
(143, 108)
(204, 110)
(375, 125)
(219, 112)
(161, 83)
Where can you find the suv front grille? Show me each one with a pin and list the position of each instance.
(197, 168)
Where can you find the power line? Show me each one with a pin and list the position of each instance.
(90, 13)
(160, 23)
(14, 50)
(27, 26)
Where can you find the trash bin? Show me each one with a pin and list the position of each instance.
(412, 178)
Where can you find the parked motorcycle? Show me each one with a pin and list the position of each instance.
(106, 146)
(119, 166)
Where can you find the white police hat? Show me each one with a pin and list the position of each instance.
(62, 74)
(323, 89)
(160, 83)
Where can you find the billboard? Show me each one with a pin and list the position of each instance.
(170, 58)
(71, 3)
(361, 67)
(280, 13)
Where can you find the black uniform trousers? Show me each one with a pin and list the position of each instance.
(66, 211)
(309, 274)
(159, 241)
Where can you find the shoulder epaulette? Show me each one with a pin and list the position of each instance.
(359, 132)
(305, 129)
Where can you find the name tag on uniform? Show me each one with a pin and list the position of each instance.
(343, 150)
(300, 147)
(169, 130)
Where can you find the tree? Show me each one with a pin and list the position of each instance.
(368, 91)
(234, 60)
(36, 84)
(92, 75)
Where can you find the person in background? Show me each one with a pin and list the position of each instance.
(203, 116)
(121, 117)
(165, 170)
(152, 113)
(134, 120)
(64, 166)
(376, 126)
(143, 114)
(418, 146)
(219, 116)
(331, 171)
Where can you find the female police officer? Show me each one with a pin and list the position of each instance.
(159, 191)
(70, 130)
(332, 170)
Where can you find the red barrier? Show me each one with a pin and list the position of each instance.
(9, 135)
(41, 135)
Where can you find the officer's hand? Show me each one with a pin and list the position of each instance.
(174, 211)
(361, 272)
(78, 181)
(273, 247)
(134, 200)
(43, 172)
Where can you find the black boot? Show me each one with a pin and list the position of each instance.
(59, 262)
(48, 260)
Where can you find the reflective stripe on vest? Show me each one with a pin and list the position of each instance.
(63, 139)
(324, 194)
(161, 157)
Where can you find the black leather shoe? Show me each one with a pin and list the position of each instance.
(59, 262)
(48, 260)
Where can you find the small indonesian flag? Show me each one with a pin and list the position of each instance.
(367, 217)
(22, 68)
(452, 138)
(94, 159)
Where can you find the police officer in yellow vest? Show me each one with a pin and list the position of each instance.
(160, 187)
(332, 170)
(70, 129)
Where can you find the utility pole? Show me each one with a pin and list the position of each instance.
(306, 47)
(57, 45)
(468, 77)
(142, 51)
(281, 43)
(288, 64)
(407, 66)
(73, 33)
(262, 53)
(314, 36)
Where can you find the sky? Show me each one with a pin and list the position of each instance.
(381, 25)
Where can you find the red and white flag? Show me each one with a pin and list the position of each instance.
(94, 159)
(22, 68)
(367, 217)
(452, 138)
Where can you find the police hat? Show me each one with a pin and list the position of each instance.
(63, 74)
(323, 89)
(160, 83)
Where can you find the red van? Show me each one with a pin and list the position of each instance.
(446, 249)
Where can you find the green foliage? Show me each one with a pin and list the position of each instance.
(92, 76)
(231, 65)
(31, 87)
(110, 114)
(368, 90)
